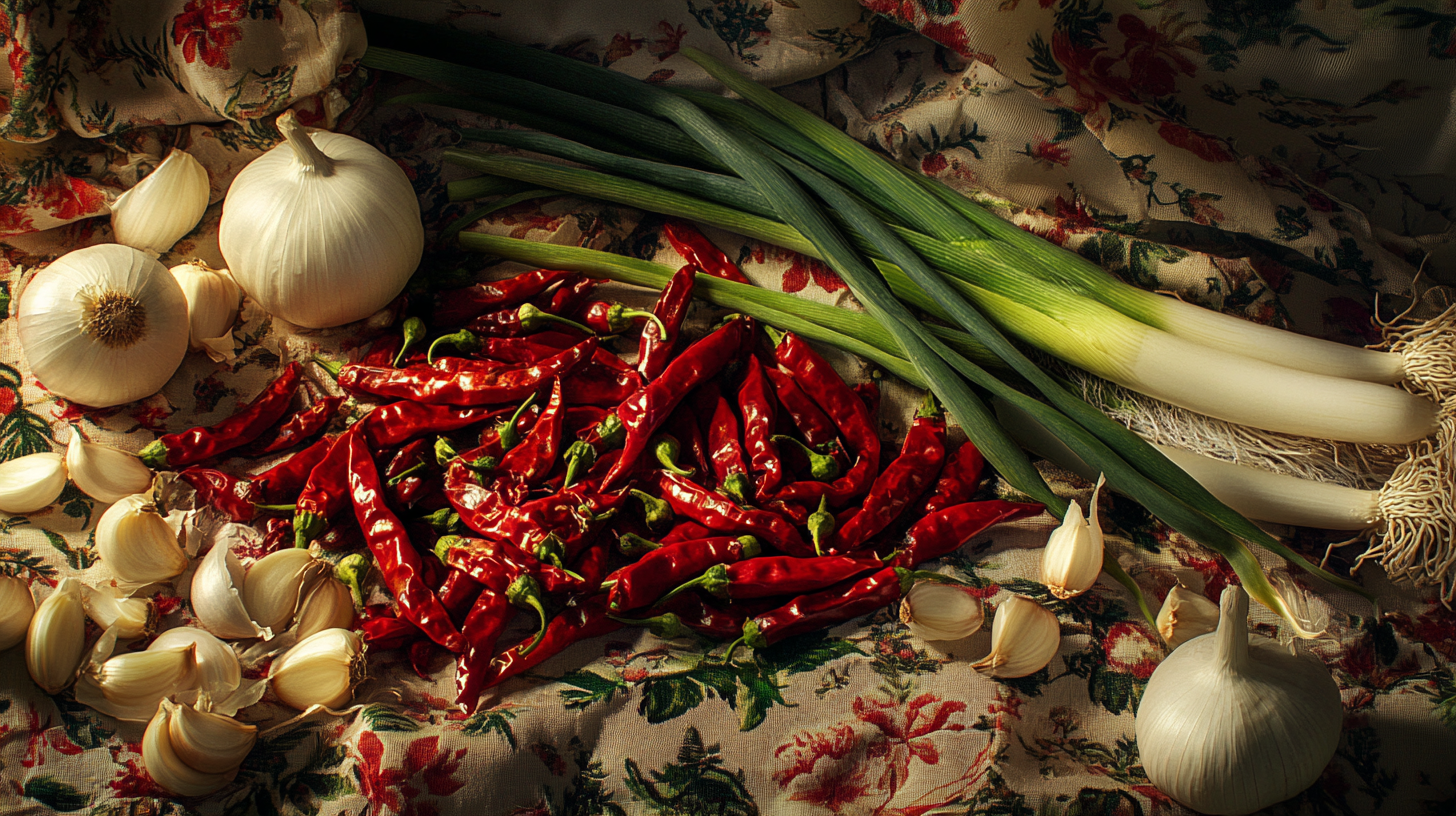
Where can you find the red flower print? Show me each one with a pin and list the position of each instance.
(933, 164)
(844, 786)
(1132, 649)
(669, 42)
(14, 220)
(423, 759)
(133, 781)
(808, 748)
(209, 28)
(70, 198)
(951, 35)
(376, 782)
(1152, 57)
(1048, 154)
(905, 735)
(622, 46)
(1203, 146)
(803, 269)
(8, 400)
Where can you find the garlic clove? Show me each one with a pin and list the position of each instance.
(104, 473)
(1072, 559)
(143, 678)
(936, 611)
(167, 768)
(322, 670)
(1185, 615)
(161, 208)
(132, 617)
(275, 585)
(218, 671)
(207, 742)
(137, 543)
(55, 642)
(328, 605)
(217, 597)
(1025, 637)
(31, 483)
(212, 307)
(17, 607)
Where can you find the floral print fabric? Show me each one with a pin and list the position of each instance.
(1203, 149)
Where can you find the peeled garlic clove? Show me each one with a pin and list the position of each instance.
(328, 605)
(217, 597)
(212, 307)
(275, 584)
(1185, 615)
(1025, 637)
(138, 678)
(137, 544)
(322, 669)
(31, 483)
(55, 643)
(166, 767)
(164, 206)
(218, 669)
(104, 473)
(1072, 559)
(936, 611)
(17, 607)
(207, 742)
(133, 617)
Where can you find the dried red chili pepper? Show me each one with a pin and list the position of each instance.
(685, 530)
(837, 604)
(528, 462)
(591, 565)
(758, 408)
(773, 575)
(383, 351)
(458, 594)
(238, 498)
(577, 623)
(958, 480)
(696, 249)
(811, 421)
(399, 422)
(282, 482)
(199, 444)
(682, 425)
(593, 384)
(725, 452)
(404, 475)
(459, 305)
(901, 483)
(717, 512)
(869, 393)
(655, 345)
(530, 348)
(644, 411)
(398, 561)
(295, 430)
(606, 317)
(487, 619)
(388, 632)
(705, 618)
(570, 296)
(651, 577)
(945, 531)
(326, 492)
(464, 387)
(484, 561)
(523, 319)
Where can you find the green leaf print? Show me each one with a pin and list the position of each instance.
(497, 720)
(55, 794)
(740, 24)
(383, 718)
(664, 698)
(696, 784)
(589, 687)
(16, 563)
(77, 559)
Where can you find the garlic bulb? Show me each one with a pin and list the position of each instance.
(103, 325)
(137, 544)
(323, 229)
(1025, 637)
(166, 767)
(1072, 559)
(322, 669)
(104, 473)
(55, 643)
(132, 617)
(17, 607)
(275, 585)
(936, 611)
(161, 208)
(327, 605)
(212, 308)
(1185, 615)
(1227, 726)
(210, 743)
(217, 595)
(135, 679)
(31, 483)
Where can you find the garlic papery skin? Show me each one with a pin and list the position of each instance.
(1227, 726)
(327, 605)
(167, 768)
(275, 585)
(207, 742)
(55, 642)
(936, 611)
(31, 483)
(136, 543)
(212, 308)
(217, 593)
(132, 617)
(1025, 637)
(143, 678)
(104, 473)
(104, 325)
(323, 229)
(1185, 615)
(321, 670)
(1072, 559)
(218, 671)
(161, 208)
(17, 607)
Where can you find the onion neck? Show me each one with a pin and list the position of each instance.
(310, 158)
(1232, 635)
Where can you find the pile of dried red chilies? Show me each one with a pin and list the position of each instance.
(733, 486)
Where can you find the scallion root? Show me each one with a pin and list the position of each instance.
(1428, 353)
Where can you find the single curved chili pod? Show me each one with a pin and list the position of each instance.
(530, 460)
(839, 603)
(786, 575)
(901, 483)
(297, 429)
(697, 250)
(655, 345)
(326, 492)
(945, 531)
(483, 626)
(717, 512)
(523, 319)
(399, 422)
(198, 444)
(237, 498)
(958, 480)
(758, 408)
(815, 426)
(571, 296)
(652, 576)
(459, 305)
(576, 623)
(464, 387)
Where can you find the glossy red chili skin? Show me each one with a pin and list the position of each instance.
(839, 603)
(531, 348)
(654, 350)
(202, 443)
(594, 384)
(647, 579)
(725, 450)
(326, 493)
(571, 296)
(810, 420)
(898, 486)
(716, 512)
(685, 530)
(497, 564)
(850, 416)
(958, 480)
(682, 424)
(703, 617)
(575, 624)
(770, 575)
(869, 394)
(487, 619)
(457, 595)
(534, 456)
(464, 387)
(399, 422)
(643, 412)
(389, 632)
(297, 429)
(281, 483)
(404, 492)
(383, 351)
(946, 531)
(394, 554)
(696, 249)
(758, 408)
(237, 498)
(460, 305)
